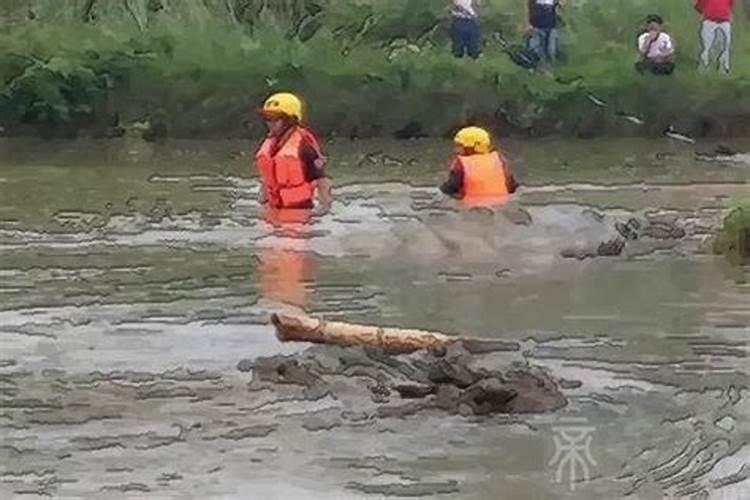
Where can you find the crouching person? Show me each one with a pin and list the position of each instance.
(655, 49)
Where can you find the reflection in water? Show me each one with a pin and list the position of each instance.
(284, 273)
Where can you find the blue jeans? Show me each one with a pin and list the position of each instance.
(545, 42)
(465, 37)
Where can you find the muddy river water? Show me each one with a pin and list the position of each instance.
(135, 277)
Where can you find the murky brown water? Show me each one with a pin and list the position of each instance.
(134, 277)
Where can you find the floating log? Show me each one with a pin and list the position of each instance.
(391, 340)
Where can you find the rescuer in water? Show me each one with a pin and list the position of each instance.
(290, 160)
(480, 174)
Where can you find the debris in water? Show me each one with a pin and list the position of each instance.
(625, 231)
(611, 248)
(673, 134)
(502, 273)
(596, 100)
(630, 118)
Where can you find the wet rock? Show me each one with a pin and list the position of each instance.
(611, 248)
(283, 372)
(245, 365)
(577, 253)
(447, 397)
(535, 389)
(488, 396)
(366, 378)
(414, 390)
(380, 393)
(627, 231)
(447, 372)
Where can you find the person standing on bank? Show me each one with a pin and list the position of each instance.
(465, 32)
(655, 48)
(544, 37)
(717, 20)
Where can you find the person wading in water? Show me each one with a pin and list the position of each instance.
(290, 160)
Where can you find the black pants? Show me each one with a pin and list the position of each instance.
(465, 37)
(657, 68)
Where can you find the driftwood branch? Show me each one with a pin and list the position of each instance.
(391, 340)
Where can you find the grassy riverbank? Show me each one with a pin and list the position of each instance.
(365, 68)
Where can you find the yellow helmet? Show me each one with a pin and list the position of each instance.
(283, 103)
(474, 138)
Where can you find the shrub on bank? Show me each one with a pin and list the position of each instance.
(733, 238)
(364, 67)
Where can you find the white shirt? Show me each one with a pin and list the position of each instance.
(465, 5)
(661, 47)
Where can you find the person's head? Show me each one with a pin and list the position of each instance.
(280, 111)
(654, 23)
(472, 140)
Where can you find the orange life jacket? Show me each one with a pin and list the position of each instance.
(283, 172)
(484, 175)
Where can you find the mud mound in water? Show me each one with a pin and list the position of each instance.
(381, 385)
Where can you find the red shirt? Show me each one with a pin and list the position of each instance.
(715, 10)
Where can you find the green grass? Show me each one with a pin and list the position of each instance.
(365, 67)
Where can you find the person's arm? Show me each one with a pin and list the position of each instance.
(698, 6)
(645, 42)
(667, 48)
(314, 172)
(510, 180)
(454, 185)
